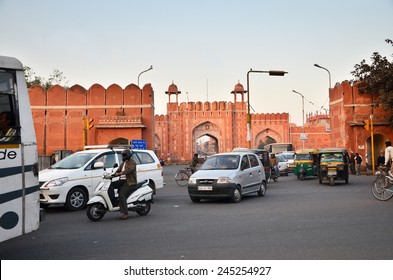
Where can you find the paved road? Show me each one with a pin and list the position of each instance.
(295, 220)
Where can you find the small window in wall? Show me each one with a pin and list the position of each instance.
(9, 121)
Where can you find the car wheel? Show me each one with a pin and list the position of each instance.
(44, 206)
(262, 189)
(236, 195)
(76, 199)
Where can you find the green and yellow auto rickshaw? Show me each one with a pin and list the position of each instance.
(333, 165)
(306, 163)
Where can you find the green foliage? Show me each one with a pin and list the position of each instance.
(377, 79)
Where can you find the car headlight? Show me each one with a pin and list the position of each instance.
(57, 182)
(192, 180)
(223, 180)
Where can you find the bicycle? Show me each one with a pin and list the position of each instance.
(382, 187)
(182, 176)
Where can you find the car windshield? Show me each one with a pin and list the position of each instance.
(74, 161)
(332, 157)
(288, 156)
(281, 159)
(221, 162)
(302, 157)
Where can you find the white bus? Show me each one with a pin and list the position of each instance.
(19, 190)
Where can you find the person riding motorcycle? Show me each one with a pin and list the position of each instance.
(126, 169)
(274, 164)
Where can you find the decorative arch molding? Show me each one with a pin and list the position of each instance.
(119, 141)
(266, 136)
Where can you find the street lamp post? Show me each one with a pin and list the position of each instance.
(150, 68)
(330, 77)
(302, 114)
(271, 73)
(330, 81)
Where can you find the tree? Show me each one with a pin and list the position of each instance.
(31, 78)
(377, 79)
(56, 78)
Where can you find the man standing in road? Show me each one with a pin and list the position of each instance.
(128, 170)
(358, 159)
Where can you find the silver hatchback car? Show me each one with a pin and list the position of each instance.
(228, 175)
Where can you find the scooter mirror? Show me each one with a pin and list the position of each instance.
(115, 165)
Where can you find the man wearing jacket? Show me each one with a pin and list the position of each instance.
(126, 169)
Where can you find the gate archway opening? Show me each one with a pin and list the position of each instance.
(206, 145)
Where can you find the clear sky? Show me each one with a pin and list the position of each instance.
(204, 47)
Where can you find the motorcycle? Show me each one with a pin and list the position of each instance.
(106, 199)
(273, 174)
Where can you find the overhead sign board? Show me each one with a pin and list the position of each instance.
(139, 144)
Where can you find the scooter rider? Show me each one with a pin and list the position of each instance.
(273, 164)
(128, 169)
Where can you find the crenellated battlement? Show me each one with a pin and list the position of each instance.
(118, 113)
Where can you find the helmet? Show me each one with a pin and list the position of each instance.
(126, 154)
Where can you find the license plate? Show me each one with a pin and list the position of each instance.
(332, 172)
(205, 188)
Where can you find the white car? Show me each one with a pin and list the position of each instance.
(228, 175)
(282, 164)
(290, 157)
(72, 180)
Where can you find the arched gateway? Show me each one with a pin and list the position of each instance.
(211, 127)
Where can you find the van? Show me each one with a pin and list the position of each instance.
(72, 180)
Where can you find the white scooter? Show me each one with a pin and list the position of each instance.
(139, 201)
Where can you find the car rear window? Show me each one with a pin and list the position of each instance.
(145, 158)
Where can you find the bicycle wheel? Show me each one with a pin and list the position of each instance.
(381, 188)
(181, 178)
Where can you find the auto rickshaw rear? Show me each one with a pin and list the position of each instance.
(333, 165)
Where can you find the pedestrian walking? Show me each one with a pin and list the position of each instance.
(352, 163)
(358, 159)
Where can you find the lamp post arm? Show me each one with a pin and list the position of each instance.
(330, 77)
(150, 68)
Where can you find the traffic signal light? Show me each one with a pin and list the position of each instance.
(366, 124)
(89, 123)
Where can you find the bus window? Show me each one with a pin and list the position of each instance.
(9, 126)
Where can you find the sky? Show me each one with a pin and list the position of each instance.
(204, 47)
